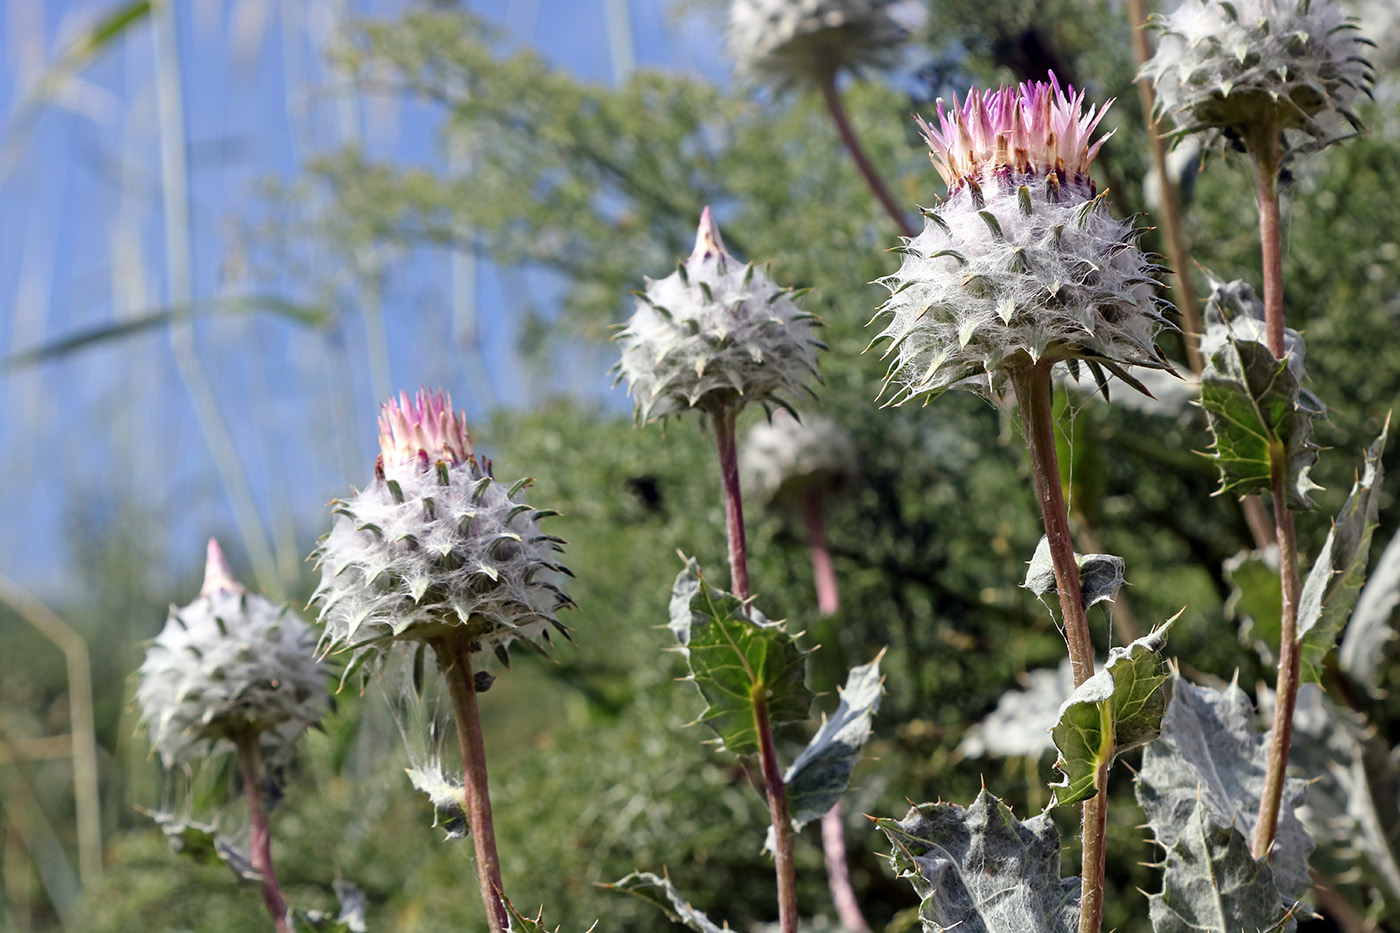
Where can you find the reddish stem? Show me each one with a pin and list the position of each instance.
(828, 594)
(837, 109)
(454, 657)
(1035, 394)
(778, 812)
(250, 767)
(1265, 148)
(838, 875)
(724, 418)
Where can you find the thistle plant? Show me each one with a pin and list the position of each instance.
(803, 43)
(437, 553)
(1276, 78)
(233, 671)
(1022, 268)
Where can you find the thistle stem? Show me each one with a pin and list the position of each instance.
(838, 873)
(824, 575)
(1266, 152)
(454, 658)
(1175, 240)
(724, 419)
(250, 767)
(778, 812)
(832, 97)
(1035, 394)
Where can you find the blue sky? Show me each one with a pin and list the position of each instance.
(83, 244)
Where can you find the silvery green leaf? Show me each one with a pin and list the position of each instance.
(1211, 751)
(1021, 723)
(1363, 645)
(1255, 403)
(1100, 575)
(1340, 569)
(662, 893)
(818, 777)
(1118, 709)
(1353, 803)
(980, 870)
(737, 658)
(1212, 884)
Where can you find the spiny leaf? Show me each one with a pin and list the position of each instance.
(1117, 709)
(820, 775)
(1260, 416)
(202, 843)
(350, 919)
(1211, 751)
(980, 870)
(1340, 569)
(644, 885)
(1100, 575)
(737, 658)
(1212, 884)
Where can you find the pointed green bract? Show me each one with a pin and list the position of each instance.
(1212, 884)
(737, 658)
(660, 891)
(1336, 577)
(1260, 415)
(1210, 751)
(1118, 709)
(819, 776)
(980, 870)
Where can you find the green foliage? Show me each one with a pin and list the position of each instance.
(1118, 709)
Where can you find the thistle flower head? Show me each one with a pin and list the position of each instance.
(1023, 262)
(435, 546)
(228, 666)
(715, 333)
(1241, 67)
(791, 41)
(1035, 130)
(783, 458)
(422, 427)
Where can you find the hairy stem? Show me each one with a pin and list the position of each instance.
(778, 811)
(454, 657)
(1035, 395)
(828, 593)
(250, 767)
(1264, 148)
(832, 97)
(724, 419)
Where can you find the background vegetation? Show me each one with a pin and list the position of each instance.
(574, 190)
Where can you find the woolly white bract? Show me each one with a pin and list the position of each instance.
(435, 546)
(227, 666)
(784, 458)
(1022, 262)
(715, 333)
(1267, 65)
(790, 40)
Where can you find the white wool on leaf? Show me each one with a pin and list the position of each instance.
(788, 41)
(1013, 273)
(713, 333)
(1236, 66)
(228, 665)
(431, 550)
(783, 458)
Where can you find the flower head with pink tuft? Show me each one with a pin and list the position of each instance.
(1036, 129)
(412, 430)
